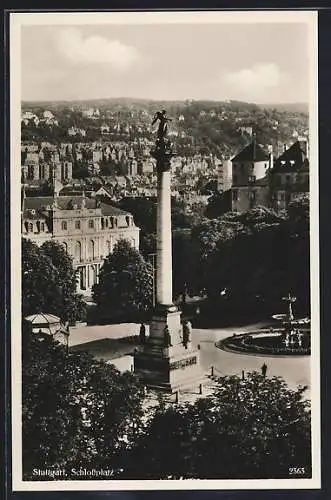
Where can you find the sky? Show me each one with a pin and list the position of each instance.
(254, 62)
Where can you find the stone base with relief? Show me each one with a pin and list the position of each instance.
(167, 361)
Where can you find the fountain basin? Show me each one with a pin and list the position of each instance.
(266, 342)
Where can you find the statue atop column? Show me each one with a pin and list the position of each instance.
(163, 119)
(163, 150)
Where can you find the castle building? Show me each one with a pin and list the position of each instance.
(250, 178)
(87, 228)
(258, 179)
(289, 177)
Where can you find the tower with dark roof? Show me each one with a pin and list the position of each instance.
(249, 177)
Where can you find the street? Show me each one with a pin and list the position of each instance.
(294, 369)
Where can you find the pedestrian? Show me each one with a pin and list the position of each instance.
(142, 333)
(264, 369)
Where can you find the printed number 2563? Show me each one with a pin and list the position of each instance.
(296, 471)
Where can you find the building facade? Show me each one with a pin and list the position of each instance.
(257, 179)
(250, 170)
(87, 228)
(224, 176)
(289, 178)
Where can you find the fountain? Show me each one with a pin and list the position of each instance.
(290, 337)
(293, 331)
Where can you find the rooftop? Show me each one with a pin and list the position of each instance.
(39, 203)
(42, 319)
(295, 154)
(253, 152)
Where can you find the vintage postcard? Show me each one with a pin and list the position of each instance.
(165, 245)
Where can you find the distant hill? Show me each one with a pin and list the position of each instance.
(129, 101)
(294, 107)
(219, 128)
(98, 102)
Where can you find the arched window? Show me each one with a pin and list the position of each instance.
(65, 246)
(91, 249)
(30, 229)
(78, 250)
(102, 223)
(38, 226)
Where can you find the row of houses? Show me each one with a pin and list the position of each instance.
(46, 117)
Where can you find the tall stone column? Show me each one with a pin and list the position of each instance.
(166, 360)
(163, 241)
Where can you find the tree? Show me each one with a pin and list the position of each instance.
(48, 281)
(218, 204)
(299, 214)
(258, 257)
(143, 211)
(108, 168)
(125, 281)
(76, 411)
(80, 170)
(299, 252)
(147, 243)
(185, 269)
(249, 429)
(39, 276)
(73, 305)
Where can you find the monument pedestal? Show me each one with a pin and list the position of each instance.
(167, 365)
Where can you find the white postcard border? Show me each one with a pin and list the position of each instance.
(19, 19)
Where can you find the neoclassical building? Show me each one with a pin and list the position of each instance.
(87, 228)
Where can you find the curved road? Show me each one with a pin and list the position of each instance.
(295, 370)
